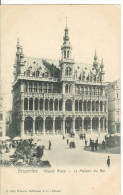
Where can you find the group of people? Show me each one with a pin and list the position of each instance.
(5, 147)
(94, 145)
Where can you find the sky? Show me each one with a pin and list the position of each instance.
(40, 29)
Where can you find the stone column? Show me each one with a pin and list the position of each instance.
(86, 105)
(22, 128)
(58, 104)
(38, 104)
(43, 108)
(28, 104)
(83, 130)
(33, 100)
(91, 125)
(103, 128)
(52, 88)
(44, 126)
(63, 105)
(47, 87)
(82, 106)
(106, 125)
(38, 87)
(53, 125)
(73, 105)
(32, 86)
(99, 127)
(53, 105)
(99, 106)
(63, 126)
(91, 106)
(27, 87)
(33, 130)
(73, 124)
(82, 125)
(22, 104)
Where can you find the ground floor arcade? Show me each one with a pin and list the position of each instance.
(62, 125)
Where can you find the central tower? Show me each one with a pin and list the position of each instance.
(67, 63)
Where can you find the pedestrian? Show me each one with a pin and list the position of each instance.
(92, 145)
(49, 145)
(85, 142)
(108, 161)
(90, 141)
(95, 146)
(82, 136)
(67, 141)
(103, 144)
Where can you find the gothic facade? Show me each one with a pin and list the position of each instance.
(58, 97)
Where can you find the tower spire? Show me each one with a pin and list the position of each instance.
(95, 56)
(95, 62)
(66, 46)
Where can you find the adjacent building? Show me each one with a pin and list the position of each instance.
(113, 93)
(58, 97)
(2, 117)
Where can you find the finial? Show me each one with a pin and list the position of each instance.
(102, 65)
(18, 41)
(95, 56)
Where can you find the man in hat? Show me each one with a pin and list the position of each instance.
(108, 161)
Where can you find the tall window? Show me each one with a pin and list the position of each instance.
(30, 87)
(35, 87)
(68, 71)
(40, 88)
(68, 105)
(64, 54)
(66, 88)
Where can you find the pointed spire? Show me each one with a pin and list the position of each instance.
(95, 56)
(18, 42)
(66, 46)
(102, 64)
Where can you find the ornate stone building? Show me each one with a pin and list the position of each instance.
(113, 93)
(2, 116)
(58, 97)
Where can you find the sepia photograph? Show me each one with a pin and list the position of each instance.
(60, 88)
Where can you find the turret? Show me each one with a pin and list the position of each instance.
(102, 70)
(66, 46)
(95, 63)
(19, 52)
(19, 59)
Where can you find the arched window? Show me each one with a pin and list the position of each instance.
(66, 88)
(25, 104)
(68, 71)
(68, 105)
(76, 105)
(30, 104)
(67, 54)
(56, 105)
(30, 87)
(64, 54)
(36, 104)
(35, 87)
